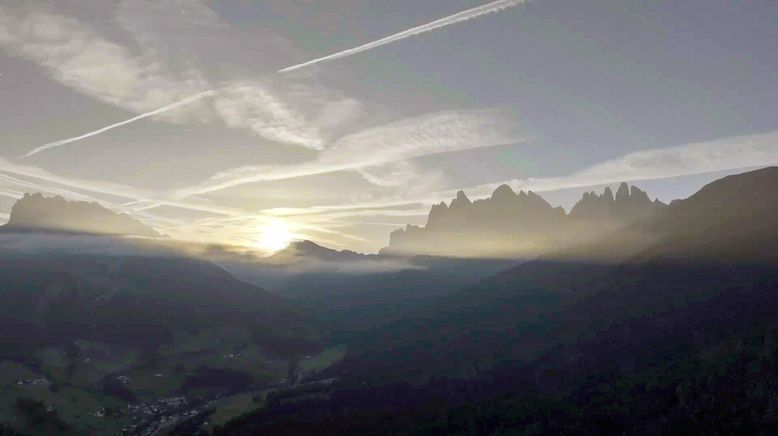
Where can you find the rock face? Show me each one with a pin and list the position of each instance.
(523, 224)
(36, 213)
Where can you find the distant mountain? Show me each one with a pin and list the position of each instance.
(519, 225)
(137, 302)
(719, 242)
(36, 213)
(309, 250)
(674, 333)
(116, 330)
(732, 219)
(628, 205)
(116, 320)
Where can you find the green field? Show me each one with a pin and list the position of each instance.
(74, 377)
(73, 405)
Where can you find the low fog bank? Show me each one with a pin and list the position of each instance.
(240, 261)
(35, 244)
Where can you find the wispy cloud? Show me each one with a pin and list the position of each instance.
(405, 139)
(146, 85)
(147, 80)
(17, 179)
(684, 160)
(659, 163)
(405, 173)
(469, 14)
(723, 154)
(46, 180)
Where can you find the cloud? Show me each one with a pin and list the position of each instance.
(250, 105)
(469, 14)
(148, 77)
(403, 173)
(26, 178)
(35, 177)
(683, 160)
(398, 141)
(146, 85)
(78, 57)
(659, 163)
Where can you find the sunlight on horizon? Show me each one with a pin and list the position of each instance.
(274, 236)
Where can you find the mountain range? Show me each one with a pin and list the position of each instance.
(718, 239)
(665, 324)
(576, 308)
(519, 225)
(94, 320)
(36, 213)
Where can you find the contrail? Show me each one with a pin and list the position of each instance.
(169, 107)
(418, 30)
(469, 14)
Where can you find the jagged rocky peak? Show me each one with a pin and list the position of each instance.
(460, 201)
(504, 193)
(525, 219)
(437, 213)
(505, 196)
(537, 200)
(623, 192)
(523, 224)
(37, 213)
(636, 192)
(608, 194)
(629, 203)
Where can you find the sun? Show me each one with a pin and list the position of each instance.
(274, 236)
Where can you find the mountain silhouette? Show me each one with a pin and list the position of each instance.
(729, 220)
(664, 325)
(519, 225)
(629, 204)
(309, 250)
(135, 301)
(717, 244)
(36, 213)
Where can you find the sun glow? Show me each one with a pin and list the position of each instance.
(274, 236)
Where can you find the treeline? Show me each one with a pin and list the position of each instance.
(724, 387)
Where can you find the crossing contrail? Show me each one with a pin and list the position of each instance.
(418, 30)
(459, 17)
(163, 109)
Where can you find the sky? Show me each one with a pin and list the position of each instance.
(238, 135)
